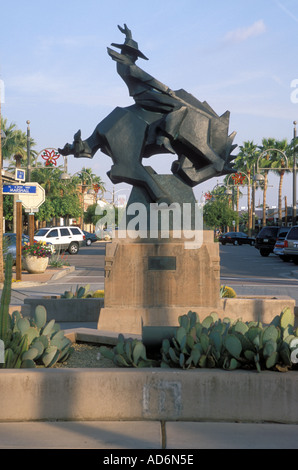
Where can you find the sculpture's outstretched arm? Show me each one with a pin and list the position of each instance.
(120, 58)
(125, 31)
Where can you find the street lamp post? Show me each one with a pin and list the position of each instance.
(28, 153)
(294, 176)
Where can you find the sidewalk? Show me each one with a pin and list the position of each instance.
(30, 280)
(147, 435)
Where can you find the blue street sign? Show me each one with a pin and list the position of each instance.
(18, 189)
(20, 175)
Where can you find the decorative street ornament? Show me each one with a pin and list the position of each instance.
(238, 178)
(96, 187)
(50, 156)
(208, 196)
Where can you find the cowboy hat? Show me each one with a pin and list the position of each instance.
(130, 46)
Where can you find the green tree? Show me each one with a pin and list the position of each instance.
(50, 179)
(62, 198)
(218, 214)
(90, 216)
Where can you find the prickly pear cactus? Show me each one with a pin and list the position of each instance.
(5, 321)
(232, 344)
(128, 353)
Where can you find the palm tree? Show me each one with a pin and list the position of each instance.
(280, 163)
(245, 162)
(231, 182)
(15, 142)
(49, 178)
(264, 162)
(85, 177)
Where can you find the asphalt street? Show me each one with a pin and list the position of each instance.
(242, 267)
(249, 273)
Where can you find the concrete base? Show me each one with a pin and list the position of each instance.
(148, 394)
(155, 282)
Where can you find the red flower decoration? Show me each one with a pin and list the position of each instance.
(238, 178)
(50, 156)
(96, 187)
(208, 196)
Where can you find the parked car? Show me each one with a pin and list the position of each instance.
(280, 244)
(89, 237)
(236, 238)
(266, 239)
(106, 233)
(291, 244)
(10, 244)
(63, 238)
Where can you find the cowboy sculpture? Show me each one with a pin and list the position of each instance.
(161, 121)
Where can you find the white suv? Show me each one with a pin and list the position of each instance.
(63, 238)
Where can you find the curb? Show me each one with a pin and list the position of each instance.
(63, 273)
(17, 285)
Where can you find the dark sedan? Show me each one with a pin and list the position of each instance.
(10, 244)
(236, 238)
(90, 238)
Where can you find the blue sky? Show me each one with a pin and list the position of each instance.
(238, 55)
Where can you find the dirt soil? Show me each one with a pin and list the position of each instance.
(86, 355)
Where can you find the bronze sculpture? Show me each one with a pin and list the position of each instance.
(160, 121)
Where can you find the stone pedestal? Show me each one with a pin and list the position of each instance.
(153, 283)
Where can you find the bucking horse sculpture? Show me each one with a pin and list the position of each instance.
(161, 121)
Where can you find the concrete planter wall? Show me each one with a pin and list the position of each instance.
(148, 394)
(263, 308)
(68, 310)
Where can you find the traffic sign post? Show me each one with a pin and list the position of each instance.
(31, 202)
(20, 175)
(30, 195)
(19, 241)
